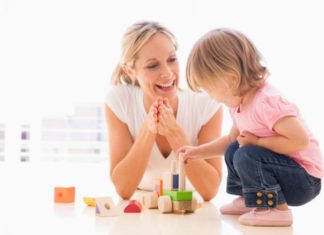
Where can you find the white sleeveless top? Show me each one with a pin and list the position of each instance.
(194, 110)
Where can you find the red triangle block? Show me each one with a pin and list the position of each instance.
(133, 207)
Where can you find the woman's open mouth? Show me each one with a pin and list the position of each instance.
(166, 87)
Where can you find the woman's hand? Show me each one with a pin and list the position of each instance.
(166, 119)
(152, 116)
(246, 138)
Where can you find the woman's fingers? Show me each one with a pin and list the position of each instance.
(166, 102)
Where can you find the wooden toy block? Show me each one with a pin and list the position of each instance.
(133, 207)
(179, 195)
(64, 194)
(175, 181)
(185, 206)
(150, 200)
(158, 186)
(89, 201)
(174, 175)
(167, 180)
(181, 206)
(105, 207)
(173, 166)
(182, 175)
(165, 204)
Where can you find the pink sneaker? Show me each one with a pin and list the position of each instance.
(236, 207)
(267, 217)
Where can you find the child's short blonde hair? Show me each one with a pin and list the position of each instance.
(222, 52)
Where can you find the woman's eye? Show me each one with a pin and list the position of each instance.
(151, 66)
(172, 59)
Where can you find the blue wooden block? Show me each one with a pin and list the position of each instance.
(175, 181)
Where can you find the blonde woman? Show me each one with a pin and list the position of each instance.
(149, 117)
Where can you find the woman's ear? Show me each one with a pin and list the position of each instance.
(129, 72)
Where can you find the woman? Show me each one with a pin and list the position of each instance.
(149, 117)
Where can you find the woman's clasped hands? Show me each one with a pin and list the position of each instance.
(161, 119)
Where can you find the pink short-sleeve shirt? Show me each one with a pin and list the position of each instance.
(268, 106)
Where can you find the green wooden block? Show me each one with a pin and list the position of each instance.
(179, 195)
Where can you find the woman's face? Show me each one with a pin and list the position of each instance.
(157, 67)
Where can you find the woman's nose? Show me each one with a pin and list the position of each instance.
(166, 72)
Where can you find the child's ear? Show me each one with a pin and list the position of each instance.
(234, 80)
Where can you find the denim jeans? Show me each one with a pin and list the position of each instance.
(265, 178)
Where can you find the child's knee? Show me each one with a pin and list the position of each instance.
(306, 195)
(230, 151)
(245, 157)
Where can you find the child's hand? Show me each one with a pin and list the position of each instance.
(246, 138)
(188, 152)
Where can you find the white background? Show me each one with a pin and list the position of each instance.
(56, 53)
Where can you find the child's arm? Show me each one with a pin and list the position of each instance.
(210, 149)
(292, 137)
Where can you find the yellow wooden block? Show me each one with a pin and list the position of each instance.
(89, 201)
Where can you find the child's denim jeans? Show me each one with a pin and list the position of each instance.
(265, 178)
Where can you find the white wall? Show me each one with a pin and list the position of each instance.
(56, 53)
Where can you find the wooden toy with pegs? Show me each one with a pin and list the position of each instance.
(175, 197)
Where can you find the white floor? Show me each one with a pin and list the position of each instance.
(27, 207)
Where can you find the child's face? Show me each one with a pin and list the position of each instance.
(221, 91)
(157, 68)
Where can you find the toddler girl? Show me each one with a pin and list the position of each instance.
(273, 160)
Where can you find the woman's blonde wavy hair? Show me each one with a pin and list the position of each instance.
(222, 52)
(134, 39)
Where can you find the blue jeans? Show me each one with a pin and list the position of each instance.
(266, 179)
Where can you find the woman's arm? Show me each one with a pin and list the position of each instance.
(203, 162)
(128, 158)
(206, 174)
